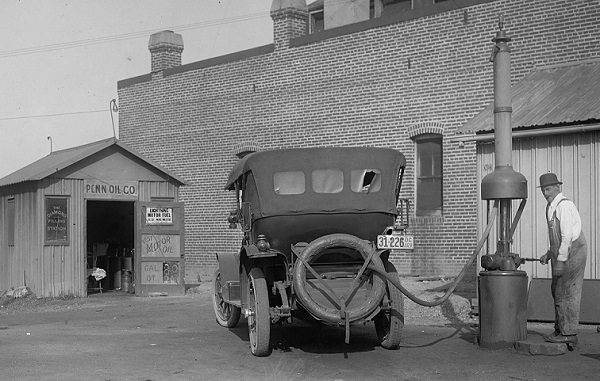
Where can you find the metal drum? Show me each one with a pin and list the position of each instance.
(502, 308)
(126, 279)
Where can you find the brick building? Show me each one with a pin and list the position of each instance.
(405, 75)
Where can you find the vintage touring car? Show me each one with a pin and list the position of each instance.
(315, 223)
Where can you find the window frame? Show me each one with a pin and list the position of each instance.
(433, 208)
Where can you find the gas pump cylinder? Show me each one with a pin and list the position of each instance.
(502, 308)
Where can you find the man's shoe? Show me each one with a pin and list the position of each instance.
(551, 335)
(562, 339)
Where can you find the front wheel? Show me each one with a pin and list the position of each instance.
(227, 314)
(389, 323)
(259, 319)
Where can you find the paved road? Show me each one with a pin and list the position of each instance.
(177, 338)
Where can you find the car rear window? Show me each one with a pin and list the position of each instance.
(365, 180)
(327, 181)
(292, 182)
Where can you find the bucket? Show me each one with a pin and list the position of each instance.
(502, 308)
(126, 278)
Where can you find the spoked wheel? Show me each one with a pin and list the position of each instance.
(259, 320)
(389, 323)
(227, 314)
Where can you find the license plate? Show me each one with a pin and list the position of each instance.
(395, 241)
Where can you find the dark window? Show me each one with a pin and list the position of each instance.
(429, 174)
(394, 6)
(317, 21)
(10, 221)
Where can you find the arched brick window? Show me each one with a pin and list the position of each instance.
(429, 169)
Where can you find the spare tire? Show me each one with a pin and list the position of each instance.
(330, 314)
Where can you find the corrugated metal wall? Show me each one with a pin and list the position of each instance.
(18, 268)
(63, 267)
(575, 158)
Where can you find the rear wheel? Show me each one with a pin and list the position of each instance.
(389, 323)
(259, 320)
(227, 314)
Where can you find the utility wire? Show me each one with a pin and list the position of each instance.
(127, 36)
(52, 115)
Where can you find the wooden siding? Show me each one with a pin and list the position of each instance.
(575, 158)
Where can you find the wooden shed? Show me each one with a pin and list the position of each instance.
(81, 212)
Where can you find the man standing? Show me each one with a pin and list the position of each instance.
(567, 253)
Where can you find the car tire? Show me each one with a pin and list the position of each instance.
(259, 319)
(389, 323)
(227, 314)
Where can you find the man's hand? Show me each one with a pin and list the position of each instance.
(558, 268)
(544, 259)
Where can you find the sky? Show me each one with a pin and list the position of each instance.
(61, 61)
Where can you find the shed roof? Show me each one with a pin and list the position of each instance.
(549, 96)
(59, 160)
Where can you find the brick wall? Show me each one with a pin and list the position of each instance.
(365, 88)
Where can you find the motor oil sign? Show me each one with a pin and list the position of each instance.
(159, 216)
(161, 245)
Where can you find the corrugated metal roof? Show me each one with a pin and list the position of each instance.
(62, 159)
(549, 96)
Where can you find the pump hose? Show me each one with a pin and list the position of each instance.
(459, 278)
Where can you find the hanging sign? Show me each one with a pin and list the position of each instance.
(159, 216)
(110, 189)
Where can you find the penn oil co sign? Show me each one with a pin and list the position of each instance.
(111, 189)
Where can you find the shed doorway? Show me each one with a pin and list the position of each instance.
(110, 244)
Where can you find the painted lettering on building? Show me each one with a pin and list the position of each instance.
(161, 245)
(152, 272)
(111, 189)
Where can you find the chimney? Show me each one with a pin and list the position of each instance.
(165, 48)
(290, 20)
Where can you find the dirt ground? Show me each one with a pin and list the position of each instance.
(116, 336)
(456, 309)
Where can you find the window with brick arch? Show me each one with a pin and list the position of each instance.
(429, 174)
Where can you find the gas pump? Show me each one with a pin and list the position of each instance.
(503, 288)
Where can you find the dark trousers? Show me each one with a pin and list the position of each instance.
(566, 289)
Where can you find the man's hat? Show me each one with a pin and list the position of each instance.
(548, 179)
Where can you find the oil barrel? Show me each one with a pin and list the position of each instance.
(502, 308)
